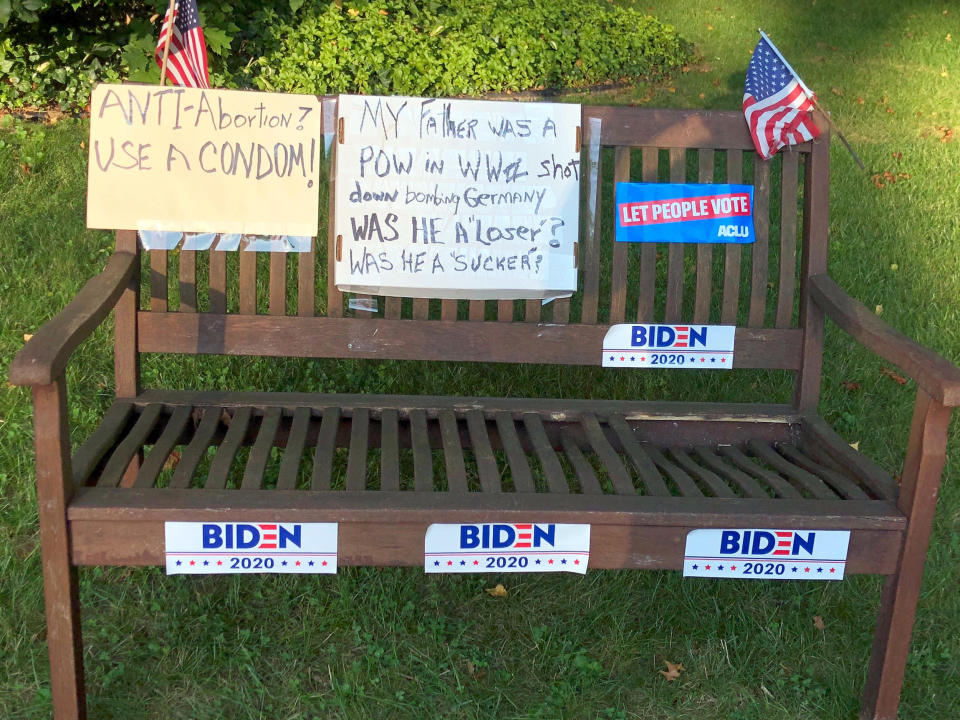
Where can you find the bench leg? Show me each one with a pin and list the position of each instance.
(918, 500)
(54, 487)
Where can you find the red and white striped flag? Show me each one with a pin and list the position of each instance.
(187, 60)
(776, 103)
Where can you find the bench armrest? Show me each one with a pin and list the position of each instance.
(45, 355)
(939, 377)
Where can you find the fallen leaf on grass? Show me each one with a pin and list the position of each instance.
(878, 310)
(855, 445)
(897, 156)
(850, 385)
(946, 133)
(498, 592)
(27, 336)
(860, 101)
(673, 671)
(898, 379)
(172, 460)
(818, 622)
(475, 672)
(882, 180)
(836, 91)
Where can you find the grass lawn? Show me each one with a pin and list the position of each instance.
(375, 643)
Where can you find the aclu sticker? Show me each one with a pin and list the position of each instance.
(506, 547)
(681, 346)
(767, 554)
(196, 548)
(688, 213)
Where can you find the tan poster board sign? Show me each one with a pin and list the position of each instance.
(456, 198)
(192, 160)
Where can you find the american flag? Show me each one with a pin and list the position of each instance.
(775, 103)
(187, 61)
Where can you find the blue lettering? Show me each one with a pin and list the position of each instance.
(212, 536)
(805, 544)
(503, 536)
(292, 536)
(698, 336)
(469, 536)
(665, 336)
(759, 548)
(247, 536)
(639, 338)
(729, 542)
(547, 535)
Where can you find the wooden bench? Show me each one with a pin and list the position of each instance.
(643, 474)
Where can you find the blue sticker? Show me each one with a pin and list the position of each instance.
(693, 213)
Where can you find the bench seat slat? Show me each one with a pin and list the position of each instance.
(483, 452)
(196, 449)
(589, 484)
(516, 457)
(130, 445)
(819, 439)
(260, 453)
(422, 455)
(323, 452)
(549, 463)
(389, 450)
(747, 484)
(154, 462)
(89, 455)
(811, 483)
(780, 487)
(232, 442)
(708, 478)
(649, 475)
(684, 482)
(838, 482)
(293, 452)
(622, 483)
(452, 452)
(359, 445)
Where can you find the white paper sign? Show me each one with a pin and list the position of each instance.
(456, 198)
(674, 346)
(506, 547)
(759, 554)
(196, 548)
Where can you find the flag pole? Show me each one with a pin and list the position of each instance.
(166, 43)
(813, 99)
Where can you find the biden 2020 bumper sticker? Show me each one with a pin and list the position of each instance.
(196, 548)
(767, 554)
(695, 213)
(672, 346)
(507, 547)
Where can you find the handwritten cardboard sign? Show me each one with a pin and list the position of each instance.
(456, 198)
(185, 159)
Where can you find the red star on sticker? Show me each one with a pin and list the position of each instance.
(723, 359)
(324, 563)
(643, 359)
(576, 562)
(550, 562)
(733, 567)
(297, 563)
(219, 562)
(703, 359)
(621, 358)
(476, 562)
(708, 567)
(806, 569)
(833, 569)
(192, 562)
(449, 562)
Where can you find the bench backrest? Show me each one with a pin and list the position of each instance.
(278, 304)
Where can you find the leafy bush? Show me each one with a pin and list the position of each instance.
(53, 51)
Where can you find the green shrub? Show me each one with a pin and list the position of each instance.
(53, 51)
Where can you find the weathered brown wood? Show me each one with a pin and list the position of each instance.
(278, 283)
(759, 248)
(260, 452)
(158, 280)
(334, 296)
(586, 477)
(323, 452)
(381, 339)
(813, 261)
(684, 482)
(937, 376)
(811, 483)
(476, 310)
(88, 455)
(701, 305)
(618, 270)
(42, 360)
(821, 441)
(649, 475)
(421, 309)
(293, 452)
(713, 481)
(675, 251)
(452, 452)
(188, 280)
(218, 282)
(561, 311)
(589, 249)
(359, 445)
(516, 457)
(531, 310)
(549, 462)
(835, 480)
(126, 359)
(131, 444)
(232, 441)
(247, 282)
(619, 477)
(392, 307)
(777, 484)
(650, 160)
(154, 462)
(422, 456)
(749, 486)
(307, 280)
(51, 441)
(505, 311)
(389, 450)
(195, 451)
(487, 468)
(732, 255)
(788, 239)
(898, 603)
(448, 310)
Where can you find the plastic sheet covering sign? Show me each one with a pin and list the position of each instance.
(456, 198)
(204, 161)
(690, 213)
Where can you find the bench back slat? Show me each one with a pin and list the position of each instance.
(732, 252)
